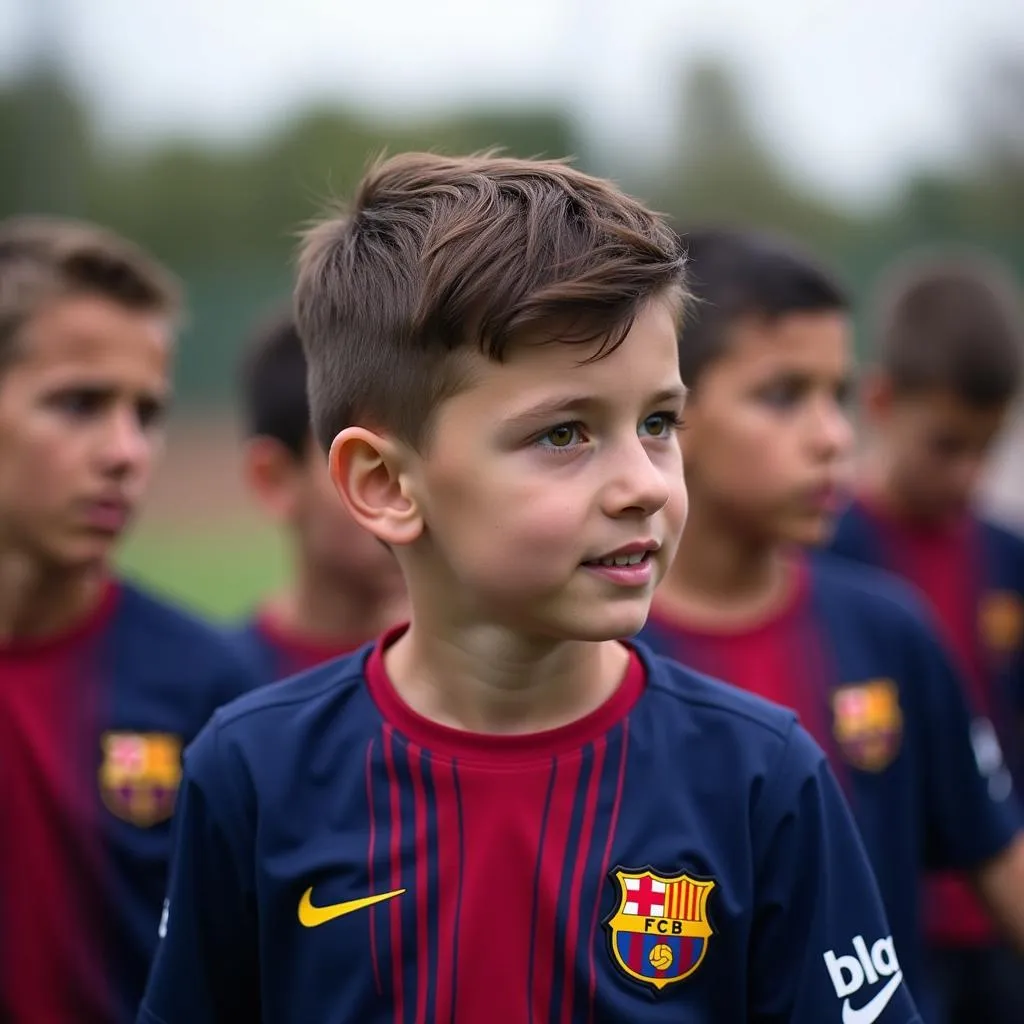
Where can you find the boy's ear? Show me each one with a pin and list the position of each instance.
(271, 472)
(371, 475)
(876, 395)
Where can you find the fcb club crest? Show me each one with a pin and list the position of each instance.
(139, 775)
(660, 930)
(868, 723)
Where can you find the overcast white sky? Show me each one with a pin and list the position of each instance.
(853, 89)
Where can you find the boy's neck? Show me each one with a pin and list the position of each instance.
(723, 578)
(317, 606)
(37, 601)
(483, 679)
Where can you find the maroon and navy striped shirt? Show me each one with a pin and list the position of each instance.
(682, 853)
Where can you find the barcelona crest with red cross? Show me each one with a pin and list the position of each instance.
(660, 930)
(139, 775)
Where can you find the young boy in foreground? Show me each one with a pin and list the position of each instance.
(101, 685)
(346, 587)
(949, 361)
(503, 813)
(766, 356)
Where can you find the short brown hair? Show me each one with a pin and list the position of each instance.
(440, 255)
(42, 259)
(952, 323)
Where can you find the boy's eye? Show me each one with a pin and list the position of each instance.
(660, 423)
(562, 436)
(782, 393)
(150, 413)
(79, 402)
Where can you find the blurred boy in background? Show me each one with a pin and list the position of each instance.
(101, 685)
(767, 358)
(345, 586)
(948, 363)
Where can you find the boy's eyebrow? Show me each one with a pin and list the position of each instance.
(564, 405)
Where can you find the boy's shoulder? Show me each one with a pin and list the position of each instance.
(292, 705)
(169, 629)
(688, 695)
(1002, 538)
(172, 667)
(870, 591)
(248, 641)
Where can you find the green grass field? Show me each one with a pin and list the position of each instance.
(219, 574)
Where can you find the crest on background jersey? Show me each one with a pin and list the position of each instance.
(139, 775)
(1001, 621)
(659, 932)
(867, 722)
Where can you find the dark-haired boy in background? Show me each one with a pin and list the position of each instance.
(766, 355)
(345, 586)
(948, 363)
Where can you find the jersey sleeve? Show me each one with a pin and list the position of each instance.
(822, 952)
(206, 967)
(972, 809)
(237, 676)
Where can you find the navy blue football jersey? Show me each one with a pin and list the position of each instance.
(681, 854)
(854, 655)
(971, 574)
(92, 726)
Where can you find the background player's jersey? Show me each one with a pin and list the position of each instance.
(853, 655)
(972, 575)
(681, 854)
(276, 653)
(92, 725)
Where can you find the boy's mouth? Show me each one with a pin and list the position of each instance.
(619, 560)
(628, 554)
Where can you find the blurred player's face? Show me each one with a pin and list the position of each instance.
(935, 446)
(768, 438)
(80, 410)
(545, 466)
(297, 493)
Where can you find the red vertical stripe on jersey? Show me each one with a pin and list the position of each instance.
(449, 872)
(551, 854)
(422, 890)
(495, 878)
(605, 861)
(52, 858)
(582, 855)
(371, 847)
(397, 967)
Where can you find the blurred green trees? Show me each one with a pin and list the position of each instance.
(226, 216)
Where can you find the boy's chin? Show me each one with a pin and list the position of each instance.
(811, 533)
(603, 625)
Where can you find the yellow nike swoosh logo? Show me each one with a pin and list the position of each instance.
(313, 917)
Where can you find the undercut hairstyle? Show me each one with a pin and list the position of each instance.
(954, 324)
(734, 275)
(43, 260)
(273, 385)
(438, 257)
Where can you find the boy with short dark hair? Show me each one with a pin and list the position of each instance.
(346, 587)
(767, 358)
(948, 364)
(503, 813)
(101, 685)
